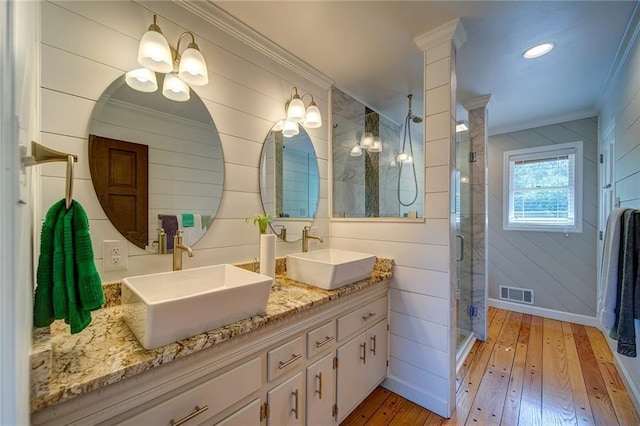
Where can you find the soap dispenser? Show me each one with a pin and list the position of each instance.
(162, 241)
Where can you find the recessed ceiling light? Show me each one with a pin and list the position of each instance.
(538, 50)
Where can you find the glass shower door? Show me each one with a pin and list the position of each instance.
(463, 238)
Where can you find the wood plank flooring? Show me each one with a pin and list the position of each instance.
(530, 371)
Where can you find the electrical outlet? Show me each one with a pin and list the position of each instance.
(114, 255)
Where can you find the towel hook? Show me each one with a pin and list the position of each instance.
(68, 192)
(43, 154)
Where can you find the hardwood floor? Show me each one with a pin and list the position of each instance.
(530, 371)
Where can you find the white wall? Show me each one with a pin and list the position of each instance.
(18, 118)
(421, 347)
(560, 269)
(87, 44)
(621, 108)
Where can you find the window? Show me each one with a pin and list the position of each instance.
(543, 188)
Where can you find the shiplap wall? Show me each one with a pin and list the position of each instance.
(421, 353)
(560, 269)
(621, 108)
(87, 44)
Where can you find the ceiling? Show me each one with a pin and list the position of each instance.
(368, 49)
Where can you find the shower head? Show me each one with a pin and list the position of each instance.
(410, 115)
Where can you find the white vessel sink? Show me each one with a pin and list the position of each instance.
(167, 307)
(330, 268)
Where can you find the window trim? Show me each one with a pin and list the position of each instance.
(543, 152)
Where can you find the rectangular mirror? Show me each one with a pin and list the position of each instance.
(378, 162)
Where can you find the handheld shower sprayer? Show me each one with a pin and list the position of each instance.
(407, 157)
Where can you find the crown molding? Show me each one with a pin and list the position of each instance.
(556, 119)
(478, 102)
(452, 30)
(238, 29)
(625, 48)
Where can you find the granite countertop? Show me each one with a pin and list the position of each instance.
(64, 366)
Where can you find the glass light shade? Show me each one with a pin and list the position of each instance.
(313, 119)
(193, 68)
(367, 139)
(290, 129)
(175, 89)
(392, 163)
(296, 112)
(142, 80)
(154, 52)
(409, 159)
(278, 126)
(376, 146)
(401, 157)
(356, 151)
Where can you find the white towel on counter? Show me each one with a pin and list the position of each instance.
(608, 294)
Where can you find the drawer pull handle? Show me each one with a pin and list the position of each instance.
(373, 346)
(185, 419)
(368, 317)
(293, 359)
(295, 409)
(364, 352)
(319, 391)
(326, 340)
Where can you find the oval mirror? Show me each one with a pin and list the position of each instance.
(289, 182)
(155, 163)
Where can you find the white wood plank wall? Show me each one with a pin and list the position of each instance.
(560, 269)
(420, 351)
(621, 108)
(87, 44)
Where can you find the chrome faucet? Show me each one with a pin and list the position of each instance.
(178, 248)
(306, 237)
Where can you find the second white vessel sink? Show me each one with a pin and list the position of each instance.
(330, 268)
(170, 306)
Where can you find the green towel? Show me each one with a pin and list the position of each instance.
(187, 220)
(206, 221)
(68, 283)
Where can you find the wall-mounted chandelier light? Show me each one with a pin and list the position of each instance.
(309, 117)
(157, 56)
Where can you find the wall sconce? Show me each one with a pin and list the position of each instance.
(156, 55)
(296, 112)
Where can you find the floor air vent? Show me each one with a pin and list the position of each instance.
(516, 294)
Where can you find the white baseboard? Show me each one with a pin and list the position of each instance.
(544, 312)
(629, 384)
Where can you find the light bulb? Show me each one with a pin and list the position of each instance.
(175, 89)
(153, 51)
(290, 129)
(367, 139)
(376, 146)
(295, 111)
(193, 68)
(312, 118)
(401, 157)
(142, 80)
(356, 151)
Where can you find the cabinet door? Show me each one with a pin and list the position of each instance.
(351, 374)
(285, 402)
(377, 356)
(249, 415)
(320, 392)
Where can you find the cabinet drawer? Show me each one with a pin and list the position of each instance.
(362, 318)
(320, 338)
(285, 358)
(249, 415)
(216, 395)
